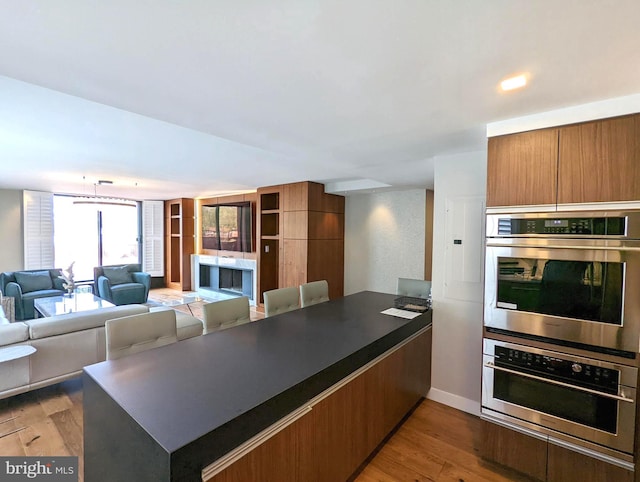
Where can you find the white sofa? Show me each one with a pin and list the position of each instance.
(64, 344)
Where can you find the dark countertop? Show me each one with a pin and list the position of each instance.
(239, 381)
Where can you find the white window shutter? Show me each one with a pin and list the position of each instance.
(153, 237)
(38, 230)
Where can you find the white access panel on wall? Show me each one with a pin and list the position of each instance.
(464, 248)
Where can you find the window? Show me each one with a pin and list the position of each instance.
(94, 235)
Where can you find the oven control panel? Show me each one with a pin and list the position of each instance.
(581, 374)
(563, 226)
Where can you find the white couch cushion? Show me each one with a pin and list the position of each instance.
(13, 333)
(82, 320)
(60, 355)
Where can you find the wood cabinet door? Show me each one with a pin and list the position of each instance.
(566, 465)
(513, 449)
(522, 168)
(600, 161)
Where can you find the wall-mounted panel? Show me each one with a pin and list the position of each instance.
(464, 248)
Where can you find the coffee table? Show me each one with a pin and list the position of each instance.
(185, 300)
(58, 305)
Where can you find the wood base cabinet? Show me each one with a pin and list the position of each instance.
(515, 450)
(564, 464)
(544, 460)
(337, 433)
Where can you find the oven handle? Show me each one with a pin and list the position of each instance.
(555, 246)
(562, 384)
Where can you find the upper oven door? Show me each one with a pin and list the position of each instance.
(579, 291)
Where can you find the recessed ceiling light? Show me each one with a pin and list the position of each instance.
(514, 82)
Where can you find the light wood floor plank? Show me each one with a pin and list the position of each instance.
(71, 432)
(42, 438)
(54, 399)
(400, 467)
(11, 445)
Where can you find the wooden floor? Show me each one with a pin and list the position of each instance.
(45, 422)
(436, 443)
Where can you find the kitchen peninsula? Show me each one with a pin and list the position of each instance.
(304, 395)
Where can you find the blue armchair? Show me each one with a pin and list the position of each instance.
(26, 286)
(123, 284)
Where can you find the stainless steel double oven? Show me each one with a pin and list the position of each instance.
(562, 326)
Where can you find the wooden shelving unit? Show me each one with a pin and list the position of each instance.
(180, 242)
(300, 237)
(269, 226)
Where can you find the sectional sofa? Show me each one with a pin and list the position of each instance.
(64, 344)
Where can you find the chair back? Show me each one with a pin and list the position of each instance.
(224, 314)
(280, 301)
(136, 333)
(416, 288)
(130, 268)
(314, 293)
(10, 277)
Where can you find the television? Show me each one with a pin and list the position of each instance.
(227, 227)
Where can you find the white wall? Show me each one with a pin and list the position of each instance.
(459, 204)
(11, 232)
(384, 239)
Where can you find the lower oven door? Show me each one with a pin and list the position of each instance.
(602, 418)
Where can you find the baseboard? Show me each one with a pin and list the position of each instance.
(455, 401)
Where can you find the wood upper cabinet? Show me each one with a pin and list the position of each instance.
(597, 161)
(600, 161)
(522, 168)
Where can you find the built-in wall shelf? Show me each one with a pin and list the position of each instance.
(270, 223)
(179, 222)
(269, 239)
(270, 202)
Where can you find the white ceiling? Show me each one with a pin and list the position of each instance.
(170, 98)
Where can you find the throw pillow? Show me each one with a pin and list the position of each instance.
(34, 280)
(117, 276)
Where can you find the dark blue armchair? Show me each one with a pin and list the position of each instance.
(123, 284)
